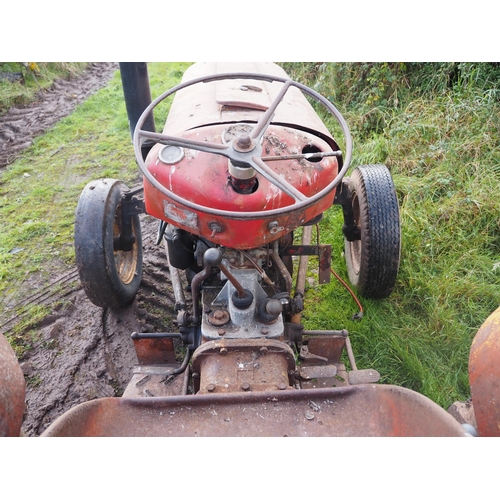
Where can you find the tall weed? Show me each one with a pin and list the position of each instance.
(437, 127)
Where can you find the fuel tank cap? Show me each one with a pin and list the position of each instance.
(171, 154)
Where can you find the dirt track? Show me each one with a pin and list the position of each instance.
(80, 352)
(20, 125)
(85, 352)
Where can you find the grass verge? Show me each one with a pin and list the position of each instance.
(441, 142)
(39, 191)
(30, 78)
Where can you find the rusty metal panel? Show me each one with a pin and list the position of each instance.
(324, 252)
(484, 376)
(232, 365)
(329, 347)
(366, 410)
(320, 362)
(12, 391)
(154, 350)
(340, 379)
(325, 264)
(243, 371)
(318, 371)
(238, 100)
(147, 385)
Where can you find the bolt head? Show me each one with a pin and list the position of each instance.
(219, 317)
(243, 141)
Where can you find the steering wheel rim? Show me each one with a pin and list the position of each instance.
(251, 157)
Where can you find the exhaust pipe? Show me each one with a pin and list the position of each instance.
(137, 93)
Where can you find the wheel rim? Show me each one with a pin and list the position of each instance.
(125, 262)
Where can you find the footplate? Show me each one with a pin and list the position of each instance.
(315, 372)
(321, 364)
(363, 377)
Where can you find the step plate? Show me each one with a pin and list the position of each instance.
(324, 371)
(363, 377)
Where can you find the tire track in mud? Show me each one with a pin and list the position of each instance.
(57, 289)
(82, 352)
(78, 352)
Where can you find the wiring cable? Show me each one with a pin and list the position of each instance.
(359, 314)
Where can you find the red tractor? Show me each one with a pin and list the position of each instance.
(242, 163)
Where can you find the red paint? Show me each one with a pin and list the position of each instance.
(203, 178)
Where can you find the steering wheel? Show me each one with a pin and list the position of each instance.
(245, 150)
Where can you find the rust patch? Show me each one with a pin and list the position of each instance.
(484, 376)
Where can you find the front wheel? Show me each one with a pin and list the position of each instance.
(373, 257)
(110, 271)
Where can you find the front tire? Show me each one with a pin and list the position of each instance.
(373, 259)
(109, 275)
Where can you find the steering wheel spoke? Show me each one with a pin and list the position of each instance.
(265, 120)
(277, 180)
(171, 140)
(245, 151)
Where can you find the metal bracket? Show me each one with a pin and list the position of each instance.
(324, 252)
(343, 197)
(130, 205)
(154, 348)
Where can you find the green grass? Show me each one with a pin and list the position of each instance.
(39, 192)
(435, 126)
(40, 77)
(441, 142)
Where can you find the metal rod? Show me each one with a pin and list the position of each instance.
(303, 262)
(180, 298)
(171, 140)
(233, 280)
(350, 354)
(281, 267)
(266, 118)
(185, 384)
(155, 335)
(195, 292)
(184, 364)
(300, 286)
(277, 180)
(327, 333)
(307, 156)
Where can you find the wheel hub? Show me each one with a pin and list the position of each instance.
(244, 143)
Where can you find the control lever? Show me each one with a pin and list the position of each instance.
(241, 298)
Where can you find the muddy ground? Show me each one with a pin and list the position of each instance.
(79, 351)
(20, 125)
(85, 352)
